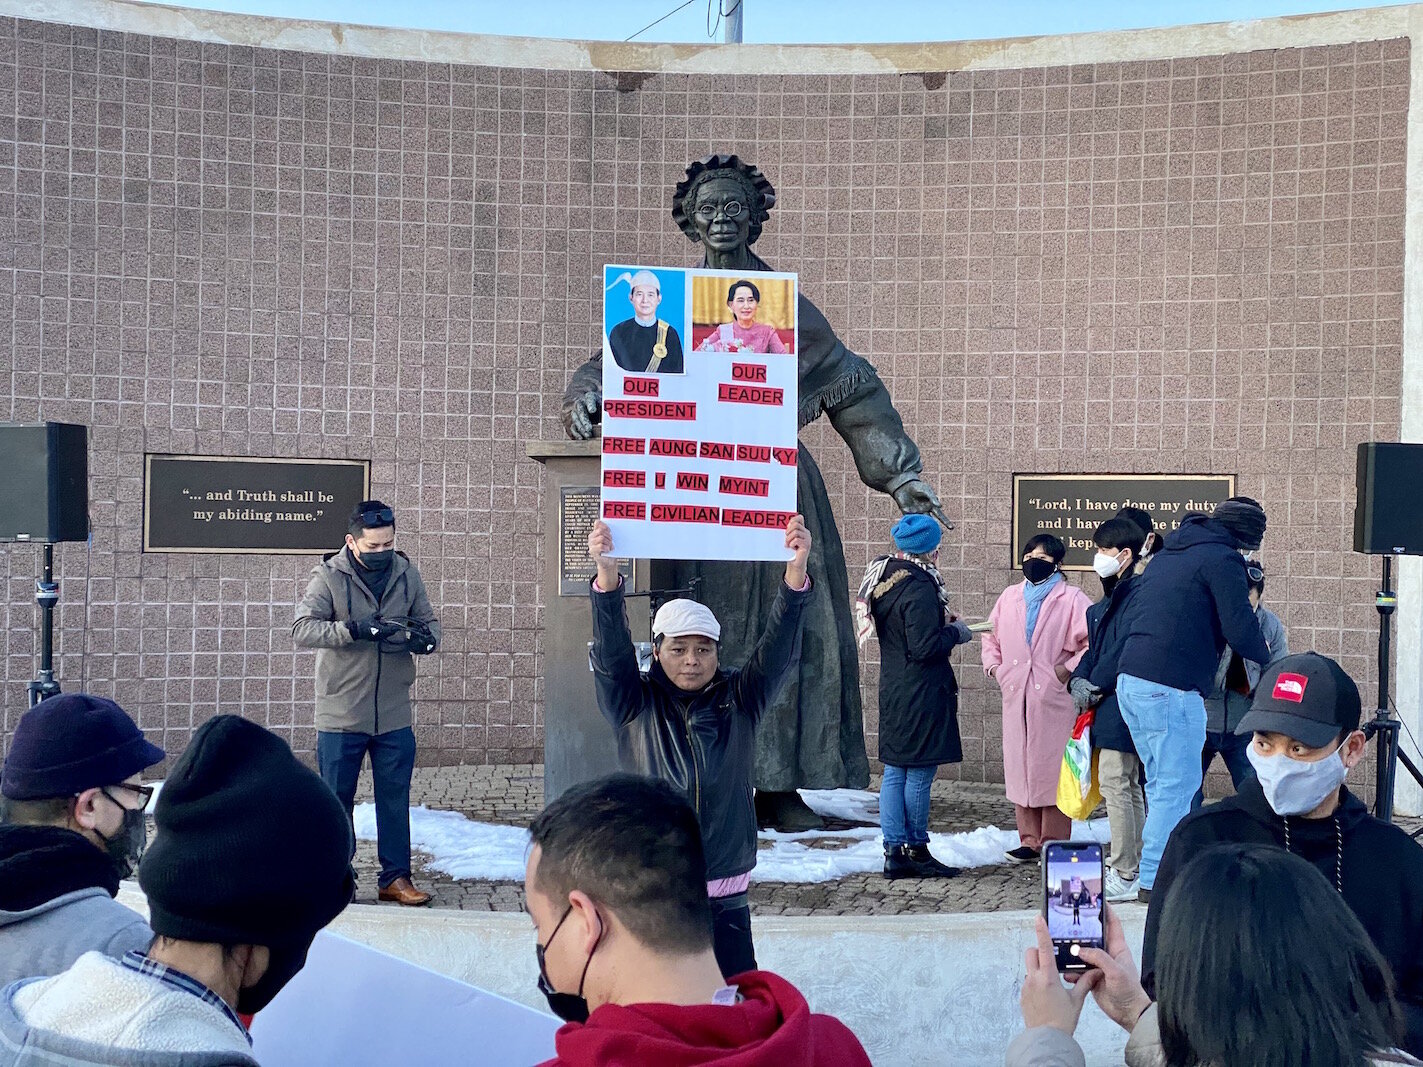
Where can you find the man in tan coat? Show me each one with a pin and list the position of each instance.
(367, 615)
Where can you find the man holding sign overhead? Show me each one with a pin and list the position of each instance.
(692, 723)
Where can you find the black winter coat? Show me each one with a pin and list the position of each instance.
(1194, 599)
(918, 693)
(1381, 870)
(702, 743)
(1106, 634)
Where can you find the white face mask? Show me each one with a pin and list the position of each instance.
(1296, 788)
(1248, 553)
(1106, 566)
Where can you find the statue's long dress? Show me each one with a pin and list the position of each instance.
(813, 737)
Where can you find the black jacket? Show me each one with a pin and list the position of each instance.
(1381, 869)
(918, 693)
(704, 742)
(1106, 634)
(1193, 600)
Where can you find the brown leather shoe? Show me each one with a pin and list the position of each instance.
(403, 891)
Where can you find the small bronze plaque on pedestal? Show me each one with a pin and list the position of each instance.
(577, 512)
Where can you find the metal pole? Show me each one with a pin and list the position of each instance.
(46, 596)
(731, 29)
(1386, 743)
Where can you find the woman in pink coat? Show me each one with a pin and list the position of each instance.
(1039, 633)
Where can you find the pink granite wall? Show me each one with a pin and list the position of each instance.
(1185, 265)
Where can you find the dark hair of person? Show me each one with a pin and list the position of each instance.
(1119, 533)
(743, 284)
(356, 524)
(1247, 500)
(1053, 546)
(1141, 517)
(46, 811)
(632, 844)
(1260, 963)
(1255, 574)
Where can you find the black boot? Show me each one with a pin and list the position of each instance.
(928, 866)
(898, 864)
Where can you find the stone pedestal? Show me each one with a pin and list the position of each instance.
(578, 742)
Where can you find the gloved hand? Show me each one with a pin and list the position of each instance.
(372, 628)
(961, 631)
(1084, 693)
(420, 644)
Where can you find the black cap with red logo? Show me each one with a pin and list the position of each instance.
(1307, 697)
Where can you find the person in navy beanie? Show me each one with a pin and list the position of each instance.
(903, 601)
(251, 859)
(71, 827)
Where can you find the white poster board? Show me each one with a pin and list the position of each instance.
(700, 372)
(353, 1006)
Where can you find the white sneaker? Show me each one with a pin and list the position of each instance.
(1117, 889)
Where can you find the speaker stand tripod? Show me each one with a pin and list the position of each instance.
(46, 596)
(1383, 726)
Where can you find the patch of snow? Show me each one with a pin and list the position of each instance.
(463, 848)
(852, 805)
(855, 833)
(789, 861)
(459, 846)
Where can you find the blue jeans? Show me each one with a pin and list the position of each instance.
(904, 805)
(339, 757)
(1232, 748)
(1168, 727)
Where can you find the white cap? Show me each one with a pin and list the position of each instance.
(645, 277)
(678, 618)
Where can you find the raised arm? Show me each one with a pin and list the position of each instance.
(778, 650)
(621, 689)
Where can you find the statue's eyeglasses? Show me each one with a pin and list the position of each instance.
(708, 212)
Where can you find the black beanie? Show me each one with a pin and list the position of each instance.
(251, 847)
(1244, 518)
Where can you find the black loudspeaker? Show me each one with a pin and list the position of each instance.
(44, 482)
(1388, 510)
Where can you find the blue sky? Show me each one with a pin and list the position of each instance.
(779, 21)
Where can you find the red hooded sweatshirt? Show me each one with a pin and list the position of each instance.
(772, 1026)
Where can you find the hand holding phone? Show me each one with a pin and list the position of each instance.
(1073, 874)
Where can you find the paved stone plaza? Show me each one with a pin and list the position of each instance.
(514, 794)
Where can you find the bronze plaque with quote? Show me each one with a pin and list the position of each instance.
(1072, 506)
(228, 504)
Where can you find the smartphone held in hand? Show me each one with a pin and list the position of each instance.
(1072, 899)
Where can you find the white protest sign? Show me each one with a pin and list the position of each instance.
(352, 1006)
(700, 370)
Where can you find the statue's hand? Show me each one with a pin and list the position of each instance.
(915, 497)
(584, 416)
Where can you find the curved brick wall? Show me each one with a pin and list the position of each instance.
(1159, 265)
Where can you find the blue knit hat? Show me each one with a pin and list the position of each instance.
(917, 534)
(73, 742)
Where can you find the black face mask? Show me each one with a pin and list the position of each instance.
(282, 966)
(570, 1007)
(126, 847)
(376, 561)
(1037, 570)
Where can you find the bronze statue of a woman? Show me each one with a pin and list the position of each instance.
(813, 737)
